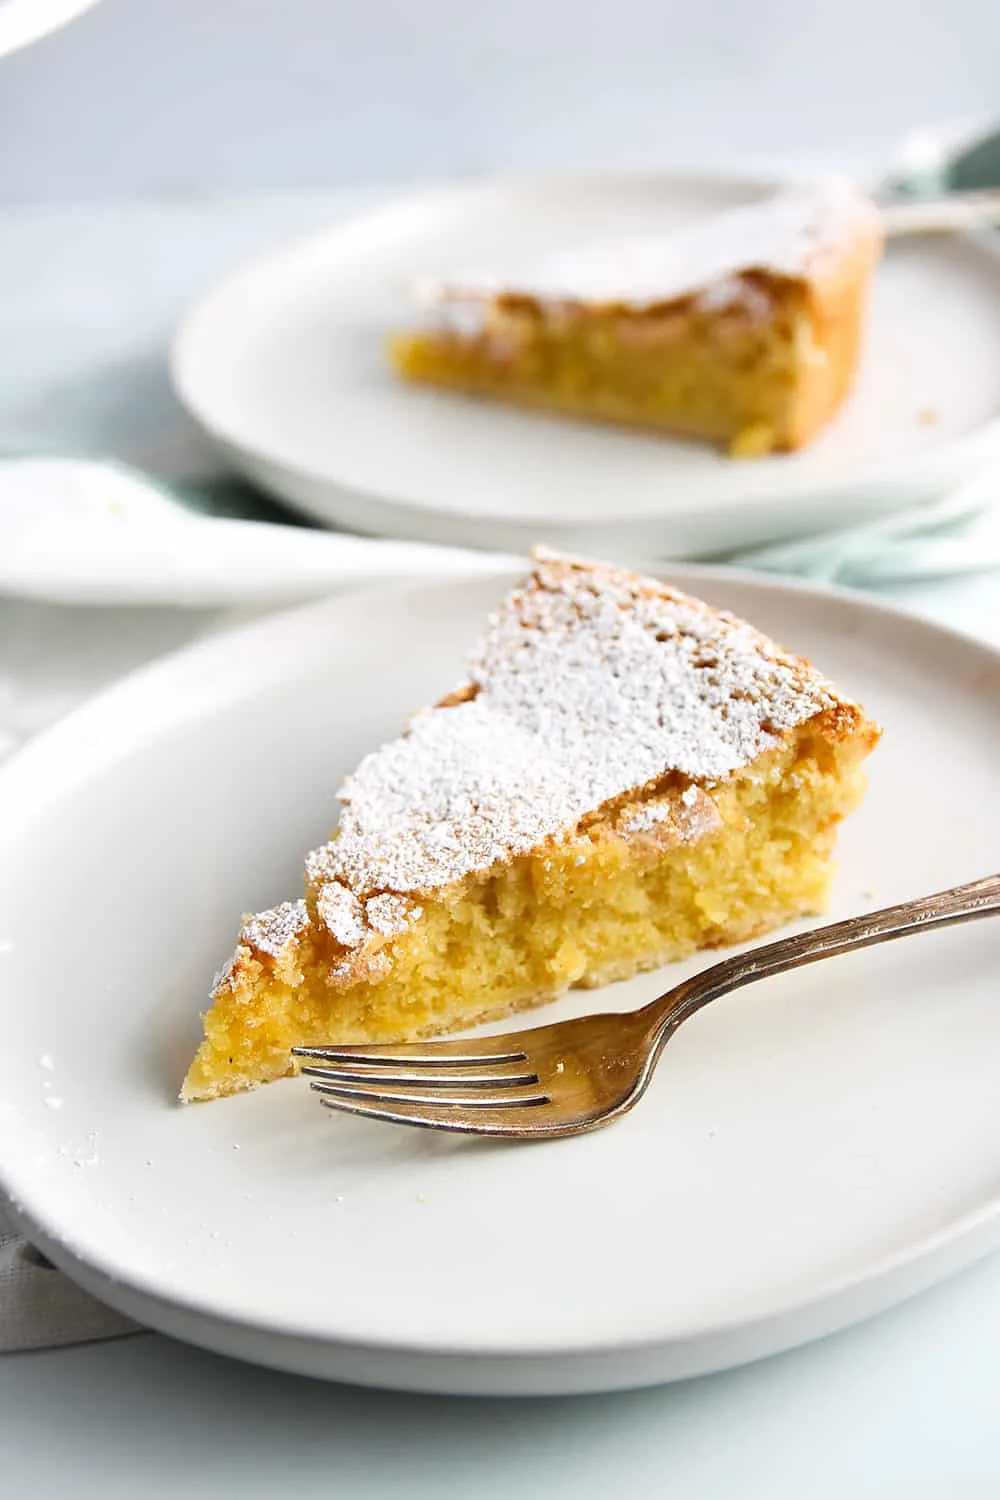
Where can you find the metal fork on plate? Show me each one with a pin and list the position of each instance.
(575, 1076)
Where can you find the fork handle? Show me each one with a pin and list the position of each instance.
(962, 903)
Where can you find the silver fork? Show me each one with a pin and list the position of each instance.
(575, 1076)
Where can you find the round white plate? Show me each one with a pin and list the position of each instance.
(811, 1149)
(285, 367)
(26, 21)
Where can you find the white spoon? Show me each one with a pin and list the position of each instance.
(81, 532)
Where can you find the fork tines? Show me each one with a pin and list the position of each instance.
(349, 1076)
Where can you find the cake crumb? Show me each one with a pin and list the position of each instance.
(928, 416)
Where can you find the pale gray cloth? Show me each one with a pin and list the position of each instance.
(40, 1308)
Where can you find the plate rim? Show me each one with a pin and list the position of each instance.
(829, 1305)
(298, 482)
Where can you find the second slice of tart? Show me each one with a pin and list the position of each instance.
(744, 328)
(626, 776)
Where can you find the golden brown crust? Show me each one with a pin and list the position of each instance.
(837, 304)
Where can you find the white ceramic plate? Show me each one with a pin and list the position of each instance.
(25, 21)
(811, 1150)
(284, 366)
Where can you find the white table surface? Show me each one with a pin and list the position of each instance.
(908, 1404)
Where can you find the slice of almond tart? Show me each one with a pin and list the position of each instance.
(627, 775)
(744, 328)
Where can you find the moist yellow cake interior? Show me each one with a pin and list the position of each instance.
(728, 375)
(627, 891)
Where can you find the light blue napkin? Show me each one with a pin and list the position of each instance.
(956, 534)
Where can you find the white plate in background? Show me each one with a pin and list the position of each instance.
(26, 21)
(284, 366)
(811, 1150)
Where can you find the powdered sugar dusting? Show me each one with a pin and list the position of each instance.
(650, 815)
(271, 931)
(389, 914)
(342, 914)
(591, 682)
(225, 977)
(684, 819)
(268, 932)
(792, 234)
(364, 965)
(320, 865)
(349, 920)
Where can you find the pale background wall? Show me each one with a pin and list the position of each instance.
(154, 97)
